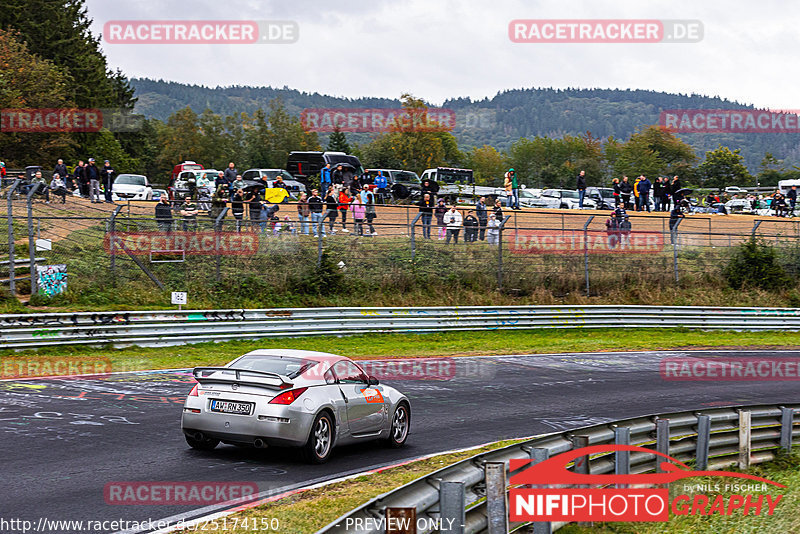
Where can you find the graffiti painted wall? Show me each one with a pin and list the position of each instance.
(52, 279)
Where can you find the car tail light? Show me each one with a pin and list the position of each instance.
(193, 393)
(288, 397)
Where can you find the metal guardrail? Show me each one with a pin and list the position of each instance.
(164, 328)
(714, 439)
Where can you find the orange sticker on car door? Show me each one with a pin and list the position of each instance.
(372, 395)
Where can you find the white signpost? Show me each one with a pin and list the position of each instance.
(179, 298)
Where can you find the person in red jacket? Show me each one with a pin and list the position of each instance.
(344, 204)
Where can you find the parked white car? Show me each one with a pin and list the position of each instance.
(566, 199)
(131, 187)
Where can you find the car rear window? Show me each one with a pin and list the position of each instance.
(287, 366)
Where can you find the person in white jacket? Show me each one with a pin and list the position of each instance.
(493, 230)
(453, 221)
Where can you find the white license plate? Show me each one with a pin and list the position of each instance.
(238, 408)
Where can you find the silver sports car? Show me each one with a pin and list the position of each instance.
(299, 398)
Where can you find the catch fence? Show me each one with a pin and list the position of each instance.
(101, 246)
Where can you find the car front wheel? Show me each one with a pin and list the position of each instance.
(318, 448)
(401, 423)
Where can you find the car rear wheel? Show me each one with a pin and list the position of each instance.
(318, 448)
(401, 422)
(203, 444)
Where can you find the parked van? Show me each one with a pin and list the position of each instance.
(304, 165)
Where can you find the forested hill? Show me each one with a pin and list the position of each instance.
(497, 121)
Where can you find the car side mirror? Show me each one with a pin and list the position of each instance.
(372, 381)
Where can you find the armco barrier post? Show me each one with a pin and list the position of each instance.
(703, 440)
(674, 238)
(12, 283)
(31, 241)
(538, 455)
(452, 504)
(497, 516)
(662, 441)
(744, 439)
(787, 425)
(582, 465)
(622, 459)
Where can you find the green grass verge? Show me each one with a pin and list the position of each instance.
(785, 470)
(435, 344)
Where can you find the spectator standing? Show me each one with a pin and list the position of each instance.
(338, 175)
(493, 232)
(93, 177)
(658, 192)
(189, 215)
(238, 184)
(344, 204)
(357, 208)
(253, 200)
(439, 212)
(625, 190)
(674, 216)
(512, 188)
(427, 187)
(231, 172)
(221, 180)
(453, 221)
(331, 205)
(792, 196)
(624, 231)
(612, 231)
(164, 215)
(470, 228)
(644, 193)
(636, 200)
(303, 213)
(381, 183)
(325, 177)
(426, 209)
(370, 213)
(316, 207)
(237, 207)
(79, 177)
(498, 210)
(616, 193)
(58, 187)
(204, 191)
(278, 182)
(61, 170)
(107, 175)
(674, 190)
(483, 217)
(580, 185)
(218, 202)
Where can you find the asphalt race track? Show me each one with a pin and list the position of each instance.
(64, 439)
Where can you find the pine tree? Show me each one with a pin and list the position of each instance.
(338, 142)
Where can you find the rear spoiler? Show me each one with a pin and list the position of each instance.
(237, 377)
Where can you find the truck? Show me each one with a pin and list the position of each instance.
(458, 185)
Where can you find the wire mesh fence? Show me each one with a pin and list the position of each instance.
(99, 247)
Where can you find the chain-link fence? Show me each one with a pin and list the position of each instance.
(95, 249)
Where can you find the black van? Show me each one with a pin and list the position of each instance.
(304, 165)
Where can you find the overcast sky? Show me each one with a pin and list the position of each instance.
(438, 49)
